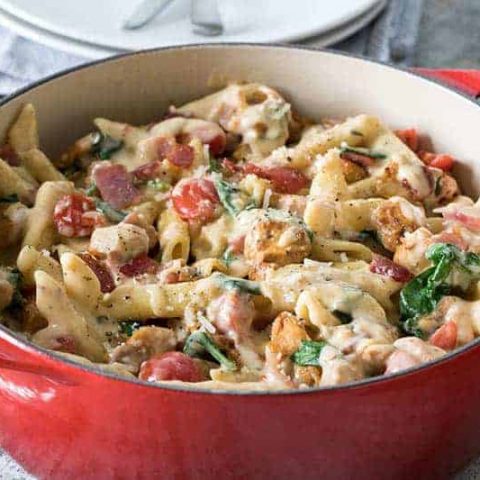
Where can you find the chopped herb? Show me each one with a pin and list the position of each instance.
(241, 284)
(228, 257)
(310, 233)
(200, 343)
(91, 190)
(13, 198)
(438, 186)
(104, 146)
(225, 192)
(342, 316)
(214, 166)
(127, 327)
(361, 151)
(112, 214)
(159, 185)
(451, 269)
(308, 353)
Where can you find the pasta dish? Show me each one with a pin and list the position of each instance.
(234, 244)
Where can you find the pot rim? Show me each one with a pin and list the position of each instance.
(25, 344)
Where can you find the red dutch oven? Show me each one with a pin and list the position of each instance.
(62, 420)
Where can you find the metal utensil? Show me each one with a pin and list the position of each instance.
(144, 12)
(206, 18)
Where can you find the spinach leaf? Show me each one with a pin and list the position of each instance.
(15, 278)
(241, 284)
(451, 269)
(308, 353)
(112, 214)
(158, 185)
(199, 343)
(91, 190)
(104, 146)
(361, 151)
(13, 198)
(226, 192)
(127, 327)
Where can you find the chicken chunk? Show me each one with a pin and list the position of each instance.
(393, 219)
(353, 172)
(13, 219)
(145, 343)
(287, 334)
(277, 238)
(120, 243)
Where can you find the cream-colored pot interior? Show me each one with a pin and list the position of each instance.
(139, 87)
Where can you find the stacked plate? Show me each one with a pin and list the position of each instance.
(93, 28)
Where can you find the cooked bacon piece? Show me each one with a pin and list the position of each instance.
(472, 222)
(437, 160)
(64, 343)
(358, 158)
(284, 180)
(384, 266)
(195, 199)
(101, 271)
(75, 216)
(139, 265)
(409, 137)
(148, 171)
(237, 244)
(177, 154)
(171, 366)
(209, 134)
(446, 336)
(451, 237)
(115, 185)
(8, 154)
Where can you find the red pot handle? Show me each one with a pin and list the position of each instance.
(468, 81)
(18, 357)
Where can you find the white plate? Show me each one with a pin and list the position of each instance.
(98, 21)
(87, 50)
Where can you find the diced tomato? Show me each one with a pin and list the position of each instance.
(284, 180)
(148, 171)
(139, 265)
(171, 366)
(115, 185)
(437, 160)
(470, 221)
(358, 158)
(75, 216)
(8, 154)
(446, 336)
(400, 360)
(388, 268)
(409, 137)
(101, 271)
(195, 199)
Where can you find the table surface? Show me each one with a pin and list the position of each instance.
(445, 40)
